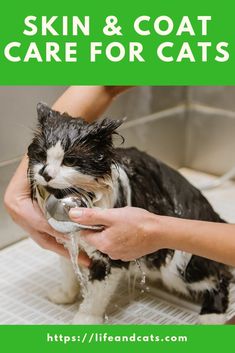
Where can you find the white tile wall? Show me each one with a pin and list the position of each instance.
(18, 116)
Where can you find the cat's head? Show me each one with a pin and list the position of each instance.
(68, 152)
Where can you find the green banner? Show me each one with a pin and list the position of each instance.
(87, 339)
(117, 43)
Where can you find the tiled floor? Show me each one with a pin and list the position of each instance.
(26, 274)
(28, 271)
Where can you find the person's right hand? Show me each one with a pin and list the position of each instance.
(28, 215)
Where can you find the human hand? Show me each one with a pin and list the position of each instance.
(128, 233)
(28, 215)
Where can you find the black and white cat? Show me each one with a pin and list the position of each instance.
(69, 153)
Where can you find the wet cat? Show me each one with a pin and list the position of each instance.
(69, 153)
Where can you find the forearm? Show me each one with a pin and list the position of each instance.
(215, 241)
(18, 181)
(88, 102)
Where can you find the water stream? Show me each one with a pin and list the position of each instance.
(143, 287)
(73, 248)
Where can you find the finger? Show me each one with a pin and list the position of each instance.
(83, 259)
(55, 233)
(90, 216)
(118, 257)
(51, 244)
(98, 240)
(113, 257)
(44, 225)
(86, 232)
(93, 238)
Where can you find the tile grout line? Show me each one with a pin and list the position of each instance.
(153, 117)
(10, 161)
(209, 110)
(186, 107)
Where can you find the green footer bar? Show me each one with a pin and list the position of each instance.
(130, 338)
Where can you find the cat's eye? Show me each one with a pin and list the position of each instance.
(70, 161)
(40, 155)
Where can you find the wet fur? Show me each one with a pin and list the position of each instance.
(117, 177)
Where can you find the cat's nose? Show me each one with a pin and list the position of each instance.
(45, 174)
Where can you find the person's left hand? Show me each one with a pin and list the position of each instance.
(128, 233)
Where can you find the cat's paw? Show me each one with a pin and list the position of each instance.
(59, 295)
(212, 319)
(87, 319)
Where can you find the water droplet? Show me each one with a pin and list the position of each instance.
(100, 157)
(143, 277)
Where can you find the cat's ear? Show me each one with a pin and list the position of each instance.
(44, 112)
(106, 127)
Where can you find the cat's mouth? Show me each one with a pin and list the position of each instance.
(76, 184)
(61, 193)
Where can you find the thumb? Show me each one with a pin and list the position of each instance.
(90, 216)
